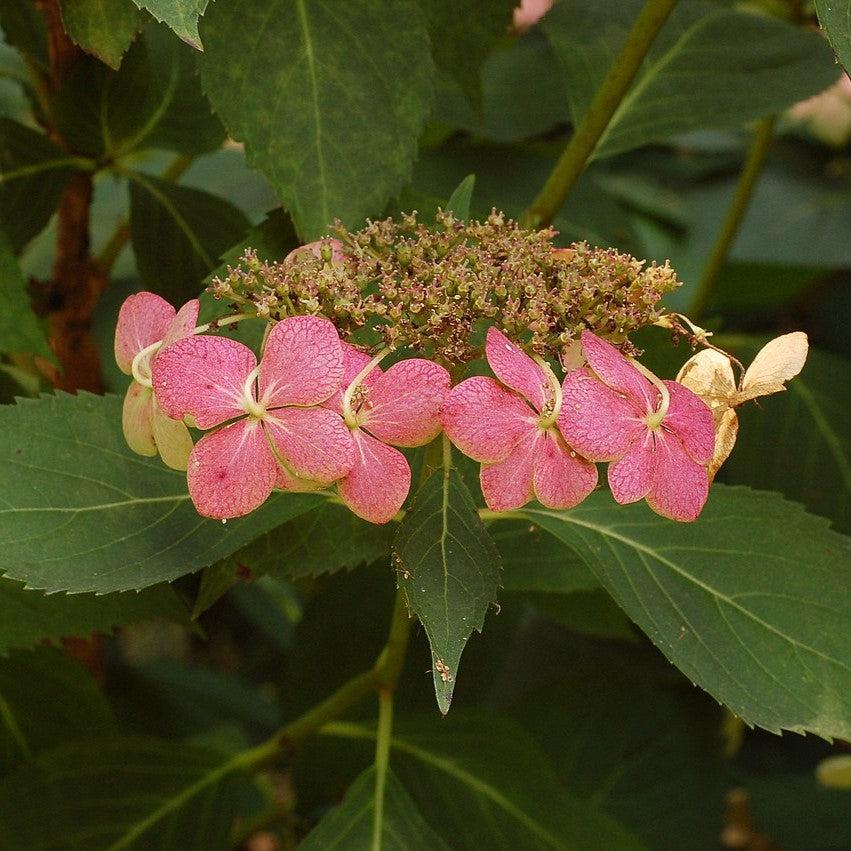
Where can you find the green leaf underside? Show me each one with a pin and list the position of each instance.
(20, 330)
(449, 569)
(324, 539)
(463, 34)
(28, 617)
(47, 698)
(102, 27)
(127, 793)
(350, 92)
(80, 512)
(760, 65)
(750, 602)
(350, 824)
(180, 15)
(178, 234)
(155, 101)
(481, 782)
(33, 173)
(835, 17)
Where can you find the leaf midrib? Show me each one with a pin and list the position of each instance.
(713, 592)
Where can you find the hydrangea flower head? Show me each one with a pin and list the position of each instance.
(510, 426)
(143, 320)
(660, 447)
(385, 409)
(272, 425)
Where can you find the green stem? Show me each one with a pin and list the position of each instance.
(382, 761)
(604, 105)
(751, 170)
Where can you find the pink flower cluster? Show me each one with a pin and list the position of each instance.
(316, 412)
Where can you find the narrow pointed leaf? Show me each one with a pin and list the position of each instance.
(20, 330)
(750, 602)
(459, 201)
(449, 569)
(835, 18)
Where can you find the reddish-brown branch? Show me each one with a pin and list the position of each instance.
(77, 282)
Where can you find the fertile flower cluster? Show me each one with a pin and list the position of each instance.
(436, 289)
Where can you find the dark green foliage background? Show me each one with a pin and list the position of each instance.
(596, 708)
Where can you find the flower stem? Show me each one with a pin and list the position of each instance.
(606, 101)
(751, 170)
(382, 761)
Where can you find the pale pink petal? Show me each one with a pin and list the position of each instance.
(136, 419)
(631, 478)
(616, 371)
(183, 324)
(378, 483)
(515, 369)
(484, 420)
(690, 419)
(288, 481)
(595, 420)
(562, 478)
(174, 443)
(403, 404)
(354, 360)
(681, 485)
(315, 248)
(203, 377)
(302, 363)
(315, 443)
(507, 484)
(143, 319)
(231, 471)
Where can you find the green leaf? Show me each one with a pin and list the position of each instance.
(463, 33)
(835, 18)
(332, 119)
(28, 617)
(47, 698)
(750, 601)
(153, 101)
(350, 824)
(449, 569)
(760, 65)
(323, 540)
(798, 442)
(102, 27)
(653, 761)
(23, 26)
(33, 173)
(178, 234)
(126, 793)
(20, 330)
(481, 782)
(459, 200)
(180, 15)
(521, 96)
(81, 512)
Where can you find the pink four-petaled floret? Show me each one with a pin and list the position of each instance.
(276, 429)
(510, 426)
(614, 413)
(145, 319)
(396, 407)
